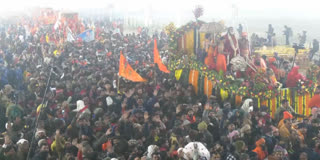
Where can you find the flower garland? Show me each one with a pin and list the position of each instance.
(174, 34)
(256, 87)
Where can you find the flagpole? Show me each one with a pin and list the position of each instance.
(154, 74)
(118, 84)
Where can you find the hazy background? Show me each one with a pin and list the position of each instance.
(254, 14)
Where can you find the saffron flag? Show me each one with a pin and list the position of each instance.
(87, 35)
(126, 71)
(157, 59)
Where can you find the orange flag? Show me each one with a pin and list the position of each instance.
(126, 71)
(157, 59)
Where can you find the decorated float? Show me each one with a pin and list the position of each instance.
(186, 41)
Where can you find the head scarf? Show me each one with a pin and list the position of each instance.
(260, 152)
(287, 115)
(293, 77)
(246, 106)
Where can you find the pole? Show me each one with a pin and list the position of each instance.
(41, 109)
(118, 84)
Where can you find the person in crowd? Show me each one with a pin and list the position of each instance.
(240, 29)
(315, 48)
(270, 34)
(231, 45)
(288, 33)
(302, 38)
(244, 45)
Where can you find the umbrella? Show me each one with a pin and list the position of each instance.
(212, 27)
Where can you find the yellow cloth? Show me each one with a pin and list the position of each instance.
(47, 38)
(224, 94)
(189, 41)
(284, 134)
(178, 74)
(281, 123)
(202, 39)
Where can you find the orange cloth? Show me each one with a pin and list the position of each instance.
(221, 63)
(207, 87)
(272, 59)
(287, 115)
(209, 60)
(157, 59)
(238, 100)
(281, 123)
(193, 79)
(126, 71)
(106, 145)
(315, 101)
(261, 153)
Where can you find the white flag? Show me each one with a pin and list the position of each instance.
(70, 37)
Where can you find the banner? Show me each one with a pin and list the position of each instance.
(87, 36)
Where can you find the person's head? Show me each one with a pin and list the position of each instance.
(302, 127)
(261, 143)
(23, 145)
(190, 112)
(156, 156)
(140, 91)
(278, 152)
(231, 127)
(244, 35)
(285, 103)
(288, 123)
(216, 156)
(227, 105)
(230, 30)
(43, 145)
(303, 156)
(240, 146)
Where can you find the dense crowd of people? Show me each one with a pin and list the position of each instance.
(73, 105)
